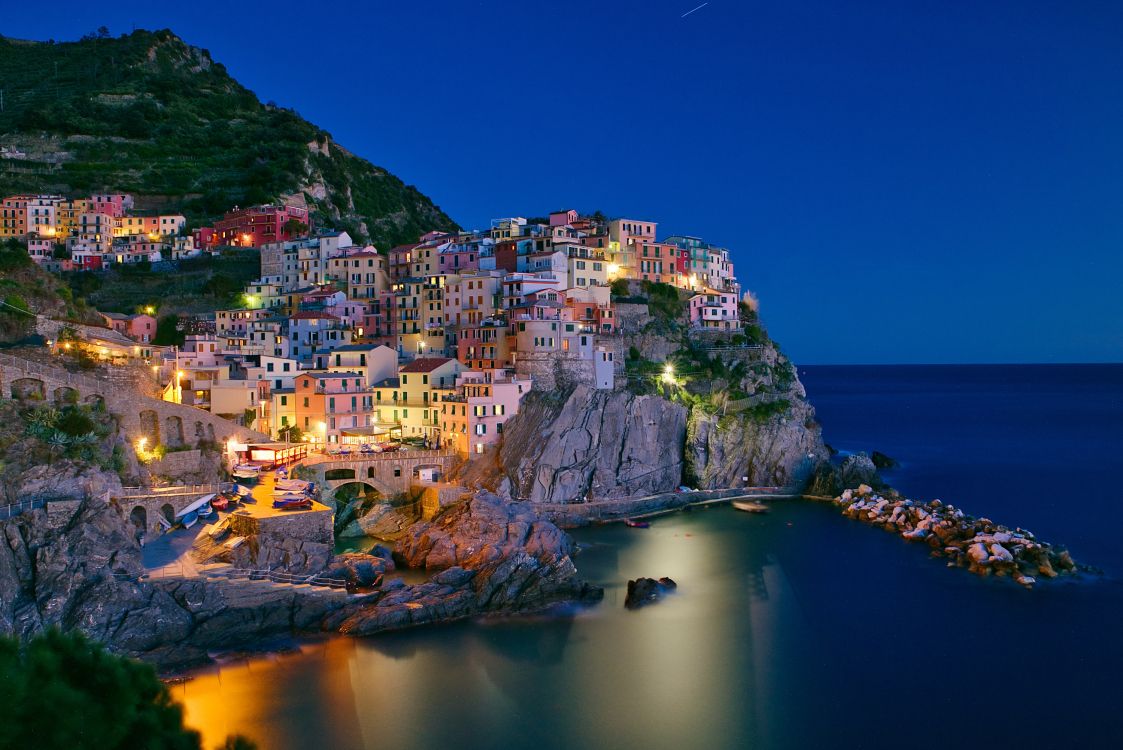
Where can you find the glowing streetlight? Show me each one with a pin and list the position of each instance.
(669, 373)
(150, 310)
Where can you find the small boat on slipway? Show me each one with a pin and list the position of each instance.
(292, 502)
(750, 506)
(246, 472)
(633, 523)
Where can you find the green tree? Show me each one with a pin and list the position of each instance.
(167, 334)
(64, 691)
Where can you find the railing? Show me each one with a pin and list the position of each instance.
(730, 347)
(15, 509)
(400, 453)
(168, 491)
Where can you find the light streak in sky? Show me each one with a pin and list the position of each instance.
(687, 13)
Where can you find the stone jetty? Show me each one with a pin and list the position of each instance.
(978, 544)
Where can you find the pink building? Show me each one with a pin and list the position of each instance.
(111, 204)
(563, 218)
(41, 250)
(715, 310)
(460, 259)
(138, 327)
(473, 417)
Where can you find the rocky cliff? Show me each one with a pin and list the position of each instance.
(77, 565)
(588, 444)
(591, 444)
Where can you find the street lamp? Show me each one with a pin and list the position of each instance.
(669, 373)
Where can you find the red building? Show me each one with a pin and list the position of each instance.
(258, 225)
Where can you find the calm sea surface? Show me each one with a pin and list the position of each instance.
(795, 629)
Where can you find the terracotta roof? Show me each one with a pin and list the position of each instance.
(425, 364)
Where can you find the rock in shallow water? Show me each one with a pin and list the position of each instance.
(644, 591)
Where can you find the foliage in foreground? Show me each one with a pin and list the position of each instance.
(64, 691)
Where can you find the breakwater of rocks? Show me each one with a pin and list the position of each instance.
(978, 544)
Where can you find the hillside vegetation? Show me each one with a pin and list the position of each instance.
(27, 290)
(149, 114)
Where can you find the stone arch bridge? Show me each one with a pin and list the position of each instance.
(158, 422)
(388, 473)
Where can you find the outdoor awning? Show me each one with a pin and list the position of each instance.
(368, 430)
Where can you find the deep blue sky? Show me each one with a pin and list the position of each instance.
(899, 182)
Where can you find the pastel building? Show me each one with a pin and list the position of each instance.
(110, 204)
(470, 298)
(412, 400)
(13, 216)
(329, 402)
(363, 274)
(473, 417)
(259, 225)
(715, 310)
(484, 346)
(374, 362)
(626, 238)
(140, 327)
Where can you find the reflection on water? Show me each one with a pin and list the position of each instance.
(700, 664)
(795, 629)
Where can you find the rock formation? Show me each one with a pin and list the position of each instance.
(593, 444)
(979, 544)
(644, 591)
(780, 451)
(80, 568)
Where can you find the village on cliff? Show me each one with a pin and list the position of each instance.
(345, 347)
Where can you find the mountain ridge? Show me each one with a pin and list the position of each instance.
(149, 114)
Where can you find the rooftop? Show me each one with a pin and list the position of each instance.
(425, 364)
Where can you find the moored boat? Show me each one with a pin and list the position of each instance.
(297, 502)
(246, 471)
(636, 524)
(750, 506)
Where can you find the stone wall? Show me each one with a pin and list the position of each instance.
(306, 525)
(555, 370)
(437, 497)
(187, 466)
(631, 317)
(158, 422)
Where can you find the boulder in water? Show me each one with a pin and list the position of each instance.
(644, 591)
(882, 461)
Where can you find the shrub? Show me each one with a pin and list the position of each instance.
(67, 691)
